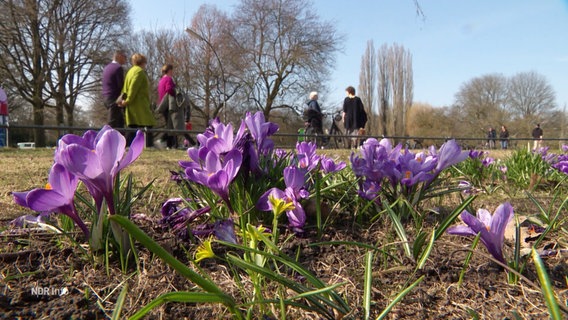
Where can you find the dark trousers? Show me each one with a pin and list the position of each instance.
(115, 114)
(132, 134)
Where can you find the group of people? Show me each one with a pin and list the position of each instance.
(503, 137)
(536, 134)
(127, 99)
(354, 116)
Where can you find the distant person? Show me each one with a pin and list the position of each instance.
(3, 117)
(504, 136)
(537, 134)
(491, 136)
(112, 83)
(354, 116)
(166, 89)
(174, 107)
(136, 99)
(313, 114)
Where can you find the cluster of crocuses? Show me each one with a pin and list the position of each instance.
(386, 170)
(305, 164)
(223, 155)
(561, 163)
(220, 156)
(481, 156)
(96, 158)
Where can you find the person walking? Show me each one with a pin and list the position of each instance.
(504, 136)
(313, 113)
(537, 134)
(354, 116)
(491, 136)
(174, 107)
(313, 119)
(135, 99)
(112, 83)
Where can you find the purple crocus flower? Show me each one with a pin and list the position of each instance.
(328, 165)
(370, 190)
(217, 173)
(260, 130)
(219, 137)
(376, 160)
(413, 168)
(492, 228)
(223, 229)
(477, 154)
(97, 162)
(177, 218)
(306, 155)
(294, 178)
(562, 165)
(487, 161)
(56, 197)
(449, 154)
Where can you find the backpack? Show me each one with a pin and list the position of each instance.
(182, 103)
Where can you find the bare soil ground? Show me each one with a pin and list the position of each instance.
(79, 289)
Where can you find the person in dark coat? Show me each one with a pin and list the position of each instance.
(504, 136)
(491, 135)
(354, 115)
(112, 83)
(537, 136)
(313, 114)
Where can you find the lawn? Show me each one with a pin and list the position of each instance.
(348, 261)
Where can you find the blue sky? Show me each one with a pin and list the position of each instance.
(455, 40)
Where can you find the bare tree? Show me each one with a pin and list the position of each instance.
(288, 47)
(368, 84)
(400, 69)
(383, 88)
(157, 47)
(396, 80)
(425, 120)
(530, 97)
(481, 102)
(84, 33)
(50, 50)
(24, 39)
(213, 62)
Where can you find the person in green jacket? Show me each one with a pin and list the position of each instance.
(135, 99)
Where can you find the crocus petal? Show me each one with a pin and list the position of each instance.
(212, 163)
(449, 154)
(20, 198)
(43, 200)
(296, 217)
(81, 162)
(225, 231)
(110, 149)
(475, 224)
(23, 221)
(219, 183)
(484, 216)
(63, 181)
(263, 204)
(136, 148)
(503, 214)
(461, 231)
(294, 177)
